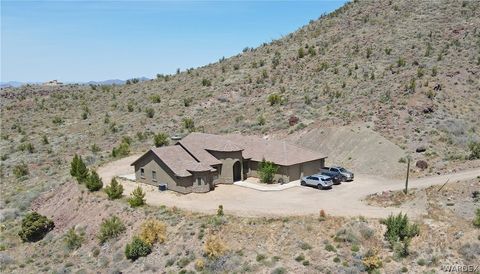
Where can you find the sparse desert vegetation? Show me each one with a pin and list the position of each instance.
(374, 70)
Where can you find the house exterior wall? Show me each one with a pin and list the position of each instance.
(289, 173)
(282, 172)
(205, 181)
(312, 167)
(202, 182)
(228, 159)
(188, 184)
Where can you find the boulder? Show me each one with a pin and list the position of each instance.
(421, 149)
(421, 164)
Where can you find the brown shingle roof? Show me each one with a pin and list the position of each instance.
(179, 160)
(191, 153)
(279, 152)
(198, 144)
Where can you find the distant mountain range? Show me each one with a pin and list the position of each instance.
(16, 84)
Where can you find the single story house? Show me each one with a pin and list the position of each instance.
(199, 161)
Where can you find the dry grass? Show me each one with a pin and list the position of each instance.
(337, 85)
(153, 231)
(214, 246)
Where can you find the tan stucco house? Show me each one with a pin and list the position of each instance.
(199, 161)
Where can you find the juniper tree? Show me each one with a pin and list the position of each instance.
(138, 198)
(114, 190)
(78, 169)
(94, 182)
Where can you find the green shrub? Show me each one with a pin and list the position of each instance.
(476, 220)
(110, 228)
(78, 169)
(206, 82)
(300, 258)
(267, 171)
(94, 182)
(160, 139)
(188, 124)
(276, 59)
(421, 262)
(279, 270)
(301, 53)
(399, 233)
(138, 197)
(369, 52)
(130, 107)
(72, 239)
(58, 120)
(220, 210)
(187, 101)
(260, 257)
(401, 62)
(155, 99)
(261, 120)
(122, 150)
(95, 148)
(399, 228)
(28, 147)
(336, 260)
(330, 247)
(35, 227)
(275, 99)
(137, 248)
(305, 246)
(20, 170)
(45, 140)
(150, 112)
(114, 190)
(183, 262)
(355, 248)
(474, 150)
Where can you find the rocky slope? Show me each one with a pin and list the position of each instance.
(408, 71)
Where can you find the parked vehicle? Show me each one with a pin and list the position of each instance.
(319, 181)
(345, 174)
(336, 178)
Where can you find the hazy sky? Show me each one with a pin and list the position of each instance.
(99, 40)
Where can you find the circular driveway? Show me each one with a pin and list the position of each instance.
(341, 200)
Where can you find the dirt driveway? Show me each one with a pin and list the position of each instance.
(342, 200)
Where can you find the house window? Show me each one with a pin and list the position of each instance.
(142, 172)
(199, 181)
(154, 176)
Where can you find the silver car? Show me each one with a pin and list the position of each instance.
(317, 180)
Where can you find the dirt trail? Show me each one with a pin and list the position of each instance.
(342, 200)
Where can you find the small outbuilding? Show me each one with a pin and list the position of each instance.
(199, 161)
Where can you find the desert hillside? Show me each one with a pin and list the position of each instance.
(401, 74)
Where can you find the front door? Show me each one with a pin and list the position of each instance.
(237, 171)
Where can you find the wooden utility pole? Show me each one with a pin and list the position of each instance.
(408, 173)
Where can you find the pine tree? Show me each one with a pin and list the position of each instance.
(114, 190)
(82, 171)
(74, 166)
(94, 182)
(138, 197)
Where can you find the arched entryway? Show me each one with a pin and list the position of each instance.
(237, 171)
